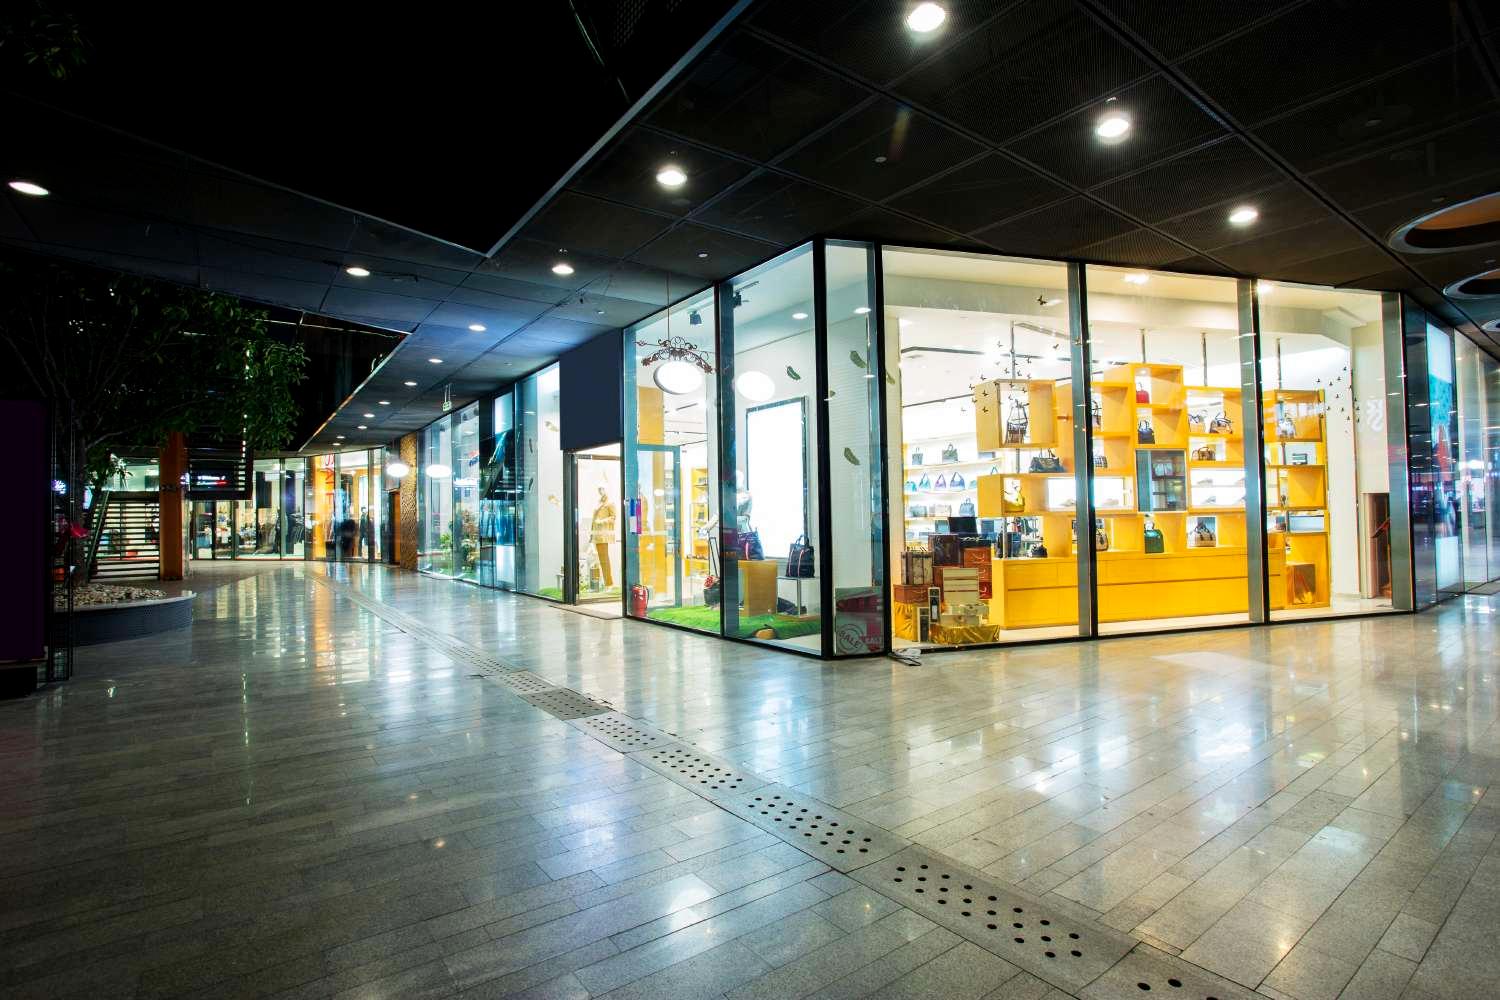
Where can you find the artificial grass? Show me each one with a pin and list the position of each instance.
(706, 619)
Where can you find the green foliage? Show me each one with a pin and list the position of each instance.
(133, 360)
(41, 36)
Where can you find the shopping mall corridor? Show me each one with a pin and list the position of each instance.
(355, 782)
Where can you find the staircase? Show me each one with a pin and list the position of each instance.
(129, 538)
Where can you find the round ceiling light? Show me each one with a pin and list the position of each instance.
(409, 382)
(367, 416)
(355, 271)
(1112, 127)
(1243, 215)
(361, 427)
(338, 437)
(671, 176)
(925, 17)
(799, 315)
(1484, 285)
(397, 470)
(437, 470)
(435, 361)
(28, 187)
(755, 386)
(562, 270)
(1136, 279)
(678, 378)
(1465, 226)
(476, 327)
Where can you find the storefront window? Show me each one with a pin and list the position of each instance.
(435, 500)
(1171, 462)
(294, 525)
(498, 506)
(855, 492)
(466, 492)
(980, 407)
(671, 527)
(1491, 458)
(769, 491)
(354, 534)
(323, 508)
(1442, 408)
(540, 473)
(1473, 496)
(259, 518)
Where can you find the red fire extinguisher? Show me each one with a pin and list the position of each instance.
(640, 595)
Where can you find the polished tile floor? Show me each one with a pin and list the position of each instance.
(332, 785)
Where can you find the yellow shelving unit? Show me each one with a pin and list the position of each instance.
(1297, 490)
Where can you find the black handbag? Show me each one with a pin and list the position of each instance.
(799, 559)
(950, 453)
(1016, 422)
(750, 547)
(1145, 433)
(1096, 413)
(1047, 461)
(1195, 421)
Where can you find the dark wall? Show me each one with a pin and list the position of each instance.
(23, 507)
(590, 378)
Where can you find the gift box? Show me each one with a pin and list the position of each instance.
(910, 593)
(978, 555)
(946, 550)
(916, 566)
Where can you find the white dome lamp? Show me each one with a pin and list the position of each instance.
(755, 386)
(397, 470)
(678, 377)
(437, 470)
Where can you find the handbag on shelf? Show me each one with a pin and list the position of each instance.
(911, 486)
(916, 456)
(916, 510)
(924, 483)
(942, 482)
(1047, 461)
(1205, 453)
(950, 453)
(1096, 413)
(1039, 551)
(1154, 542)
(1203, 534)
(799, 559)
(1145, 433)
(966, 508)
(1100, 462)
(942, 510)
(1196, 421)
(994, 470)
(750, 547)
(1013, 506)
(1286, 427)
(1221, 425)
(1142, 396)
(1101, 536)
(1016, 422)
(957, 482)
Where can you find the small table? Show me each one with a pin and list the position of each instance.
(797, 582)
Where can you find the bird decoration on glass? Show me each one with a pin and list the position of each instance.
(850, 457)
(858, 361)
(792, 374)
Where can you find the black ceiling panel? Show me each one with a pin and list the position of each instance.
(979, 194)
(594, 226)
(879, 224)
(1272, 254)
(703, 253)
(1198, 264)
(1164, 123)
(532, 261)
(1315, 48)
(880, 150)
(378, 308)
(1383, 217)
(1039, 60)
(1281, 206)
(626, 172)
(1141, 247)
(1174, 31)
(381, 239)
(779, 209)
(1058, 230)
(1429, 164)
(1443, 269)
(1435, 94)
(1365, 267)
(755, 99)
(1225, 170)
(870, 37)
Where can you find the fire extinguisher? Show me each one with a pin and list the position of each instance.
(640, 595)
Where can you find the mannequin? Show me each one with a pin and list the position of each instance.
(602, 534)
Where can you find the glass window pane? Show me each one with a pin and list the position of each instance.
(981, 397)
(671, 466)
(770, 493)
(1491, 423)
(497, 511)
(1442, 412)
(353, 534)
(1167, 389)
(466, 492)
(1327, 479)
(596, 486)
(540, 470)
(854, 488)
(1471, 485)
(435, 500)
(260, 518)
(294, 526)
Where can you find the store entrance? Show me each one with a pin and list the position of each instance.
(213, 530)
(593, 565)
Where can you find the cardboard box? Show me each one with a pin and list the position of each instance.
(910, 593)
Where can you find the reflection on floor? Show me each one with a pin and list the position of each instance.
(298, 798)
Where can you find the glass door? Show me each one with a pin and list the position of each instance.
(223, 529)
(595, 501)
(203, 529)
(656, 531)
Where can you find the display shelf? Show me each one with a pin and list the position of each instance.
(994, 402)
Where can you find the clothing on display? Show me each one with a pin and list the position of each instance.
(602, 534)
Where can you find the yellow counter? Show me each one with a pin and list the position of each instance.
(1131, 585)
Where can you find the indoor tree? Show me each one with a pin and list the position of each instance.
(128, 360)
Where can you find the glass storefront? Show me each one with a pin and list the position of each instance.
(539, 468)
(671, 466)
(596, 528)
(499, 501)
(435, 499)
(466, 493)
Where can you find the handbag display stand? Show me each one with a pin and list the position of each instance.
(757, 586)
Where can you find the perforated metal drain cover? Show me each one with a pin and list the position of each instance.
(622, 733)
(703, 773)
(1032, 936)
(523, 681)
(1146, 971)
(564, 703)
(834, 837)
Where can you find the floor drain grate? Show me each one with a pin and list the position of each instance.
(699, 771)
(1064, 951)
(523, 681)
(1147, 970)
(837, 839)
(563, 703)
(622, 733)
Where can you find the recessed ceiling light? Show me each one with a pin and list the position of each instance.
(1265, 287)
(1137, 279)
(384, 402)
(562, 269)
(409, 382)
(702, 254)
(369, 416)
(338, 437)
(861, 310)
(436, 361)
(671, 176)
(1112, 126)
(925, 17)
(1243, 216)
(799, 315)
(477, 327)
(361, 427)
(355, 271)
(27, 187)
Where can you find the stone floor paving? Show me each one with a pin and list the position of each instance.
(354, 782)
